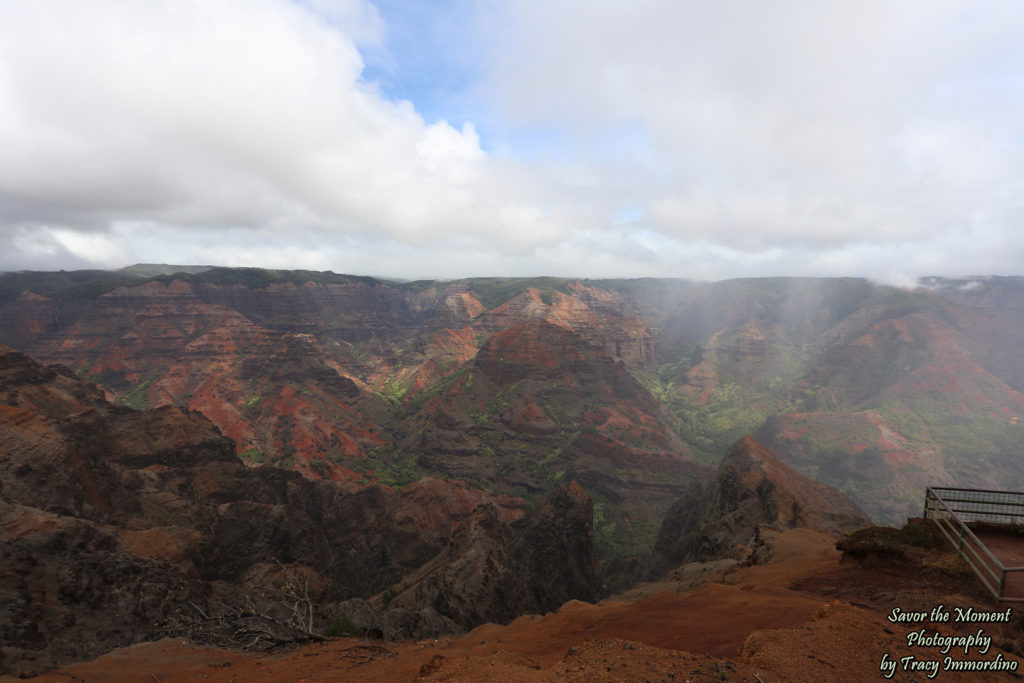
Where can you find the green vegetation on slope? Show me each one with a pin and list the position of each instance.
(75, 285)
(259, 278)
(137, 398)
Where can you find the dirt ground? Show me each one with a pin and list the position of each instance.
(801, 615)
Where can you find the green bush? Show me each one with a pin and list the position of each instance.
(342, 628)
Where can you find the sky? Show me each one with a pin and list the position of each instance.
(701, 139)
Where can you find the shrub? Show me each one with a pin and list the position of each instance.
(342, 628)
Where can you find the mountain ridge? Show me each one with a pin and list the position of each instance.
(326, 373)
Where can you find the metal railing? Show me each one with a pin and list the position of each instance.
(953, 508)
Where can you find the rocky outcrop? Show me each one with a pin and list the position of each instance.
(70, 589)
(538, 406)
(114, 521)
(754, 490)
(494, 572)
(601, 318)
(456, 308)
(679, 529)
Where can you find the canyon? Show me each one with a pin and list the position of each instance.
(421, 459)
(635, 388)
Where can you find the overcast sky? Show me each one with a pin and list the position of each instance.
(697, 139)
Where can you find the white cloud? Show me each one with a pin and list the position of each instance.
(786, 123)
(870, 138)
(205, 113)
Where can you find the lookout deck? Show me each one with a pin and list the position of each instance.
(1008, 547)
(987, 529)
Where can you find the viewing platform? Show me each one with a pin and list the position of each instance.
(987, 529)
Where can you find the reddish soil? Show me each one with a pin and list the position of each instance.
(776, 621)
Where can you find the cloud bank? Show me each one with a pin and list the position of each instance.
(689, 139)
